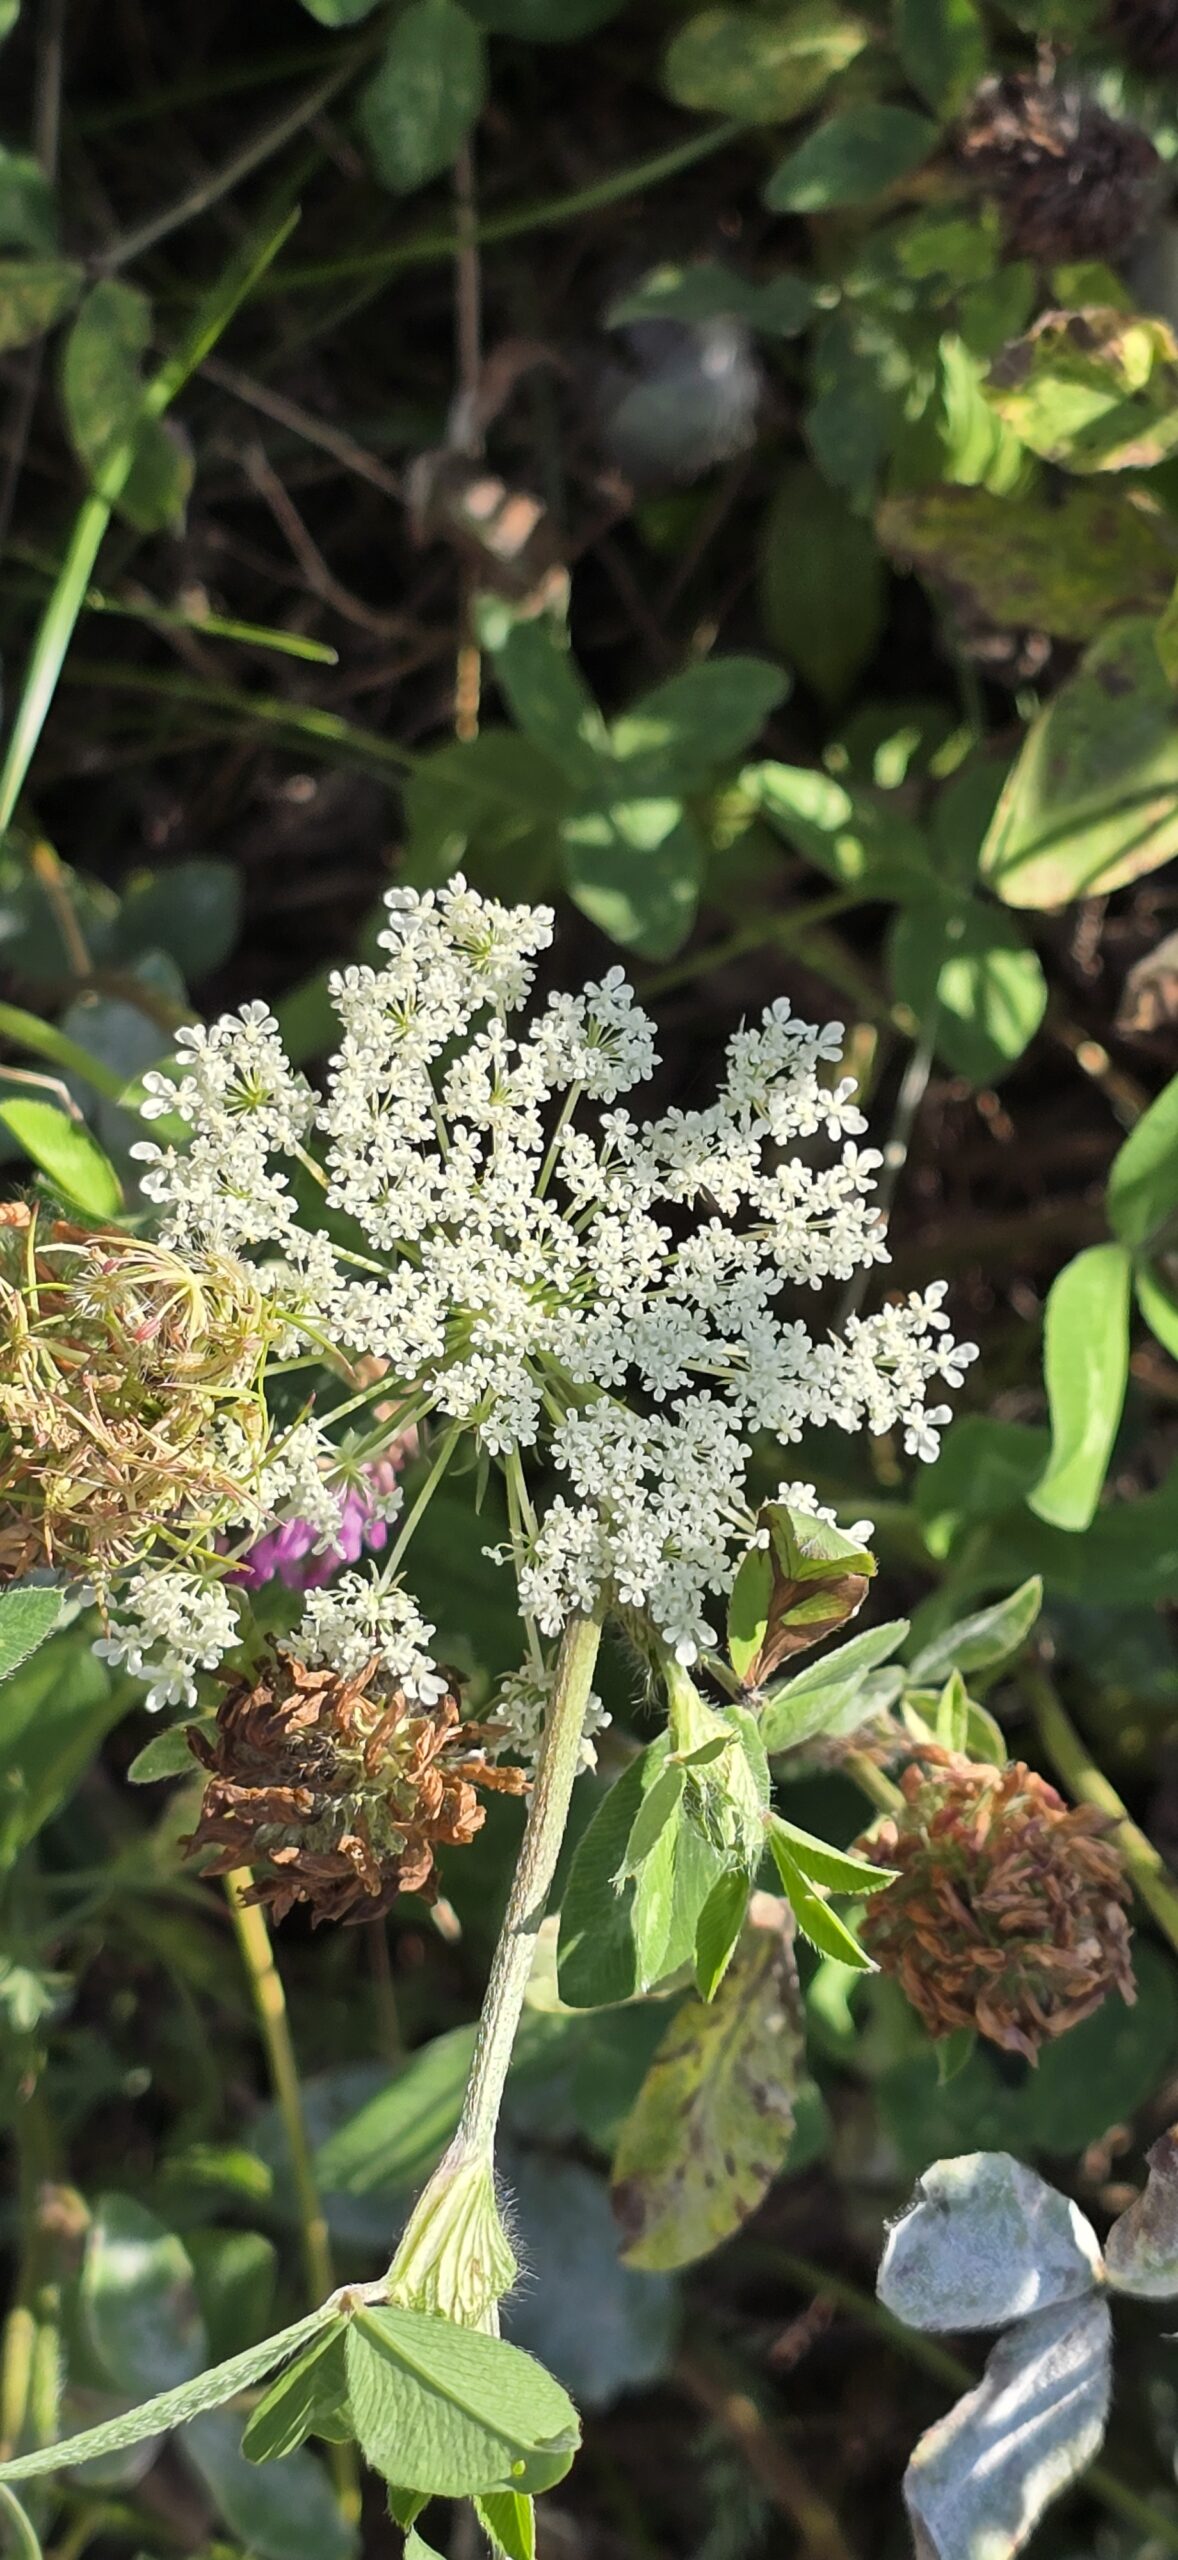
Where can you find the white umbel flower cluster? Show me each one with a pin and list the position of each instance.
(615, 1300)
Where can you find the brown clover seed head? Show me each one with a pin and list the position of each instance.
(121, 1364)
(1070, 180)
(336, 1790)
(1008, 1913)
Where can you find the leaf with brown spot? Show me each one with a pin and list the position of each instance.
(712, 2122)
(1063, 565)
(1092, 390)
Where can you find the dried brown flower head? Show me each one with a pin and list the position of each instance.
(1008, 1913)
(120, 1366)
(337, 1790)
(1070, 180)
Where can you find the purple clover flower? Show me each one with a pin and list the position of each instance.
(291, 1552)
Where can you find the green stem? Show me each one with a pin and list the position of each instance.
(424, 1498)
(64, 605)
(269, 1999)
(432, 247)
(19, 2533)
(221, 182)
(1113, 2493)
(544, 1832)
(782, 930)
(1070, 1758)
(874, 1783)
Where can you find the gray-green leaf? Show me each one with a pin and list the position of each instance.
(980, 2479)
(1141, 2251)
(139, 2298)
(985, 2241)
(286, 2512)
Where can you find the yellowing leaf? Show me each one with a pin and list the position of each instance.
(1092, 800)
(760, 66)
(1065, 564)
(1091, 390)
(712, 2122)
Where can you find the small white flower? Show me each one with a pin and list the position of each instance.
(534, 1264)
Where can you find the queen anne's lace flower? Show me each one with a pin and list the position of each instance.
(625, 1297)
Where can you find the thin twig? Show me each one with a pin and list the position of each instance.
(431, 248)
(719, 2389)
(302, 422)
(221, 182)
(321, 580)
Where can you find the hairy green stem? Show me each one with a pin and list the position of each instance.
(548, 1814)
(1072, 1761)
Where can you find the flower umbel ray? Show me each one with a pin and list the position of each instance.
(610, 1304)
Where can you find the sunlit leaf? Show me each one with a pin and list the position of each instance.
(1092, 800)
(764, 68)
(64, 1150)
(971, 963)
(817, 1922)
(1143, 1178)
(981, 1642)
(103, 394)
(985, 2241)
(1086, 1363)
(27, 1618)
(1091, 390)
(980, 2479)
(820, 1698)
(1063, 563)
(452, 2411)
